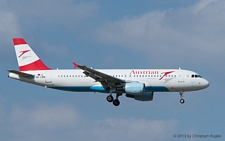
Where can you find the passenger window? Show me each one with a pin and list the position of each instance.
(192, 75)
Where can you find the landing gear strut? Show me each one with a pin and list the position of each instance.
(181, 97)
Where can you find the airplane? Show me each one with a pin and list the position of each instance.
(139, 84)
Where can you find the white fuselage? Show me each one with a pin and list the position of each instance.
(155, 80)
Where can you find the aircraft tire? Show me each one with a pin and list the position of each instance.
(116, 102)
(182, 101)
(109, 98)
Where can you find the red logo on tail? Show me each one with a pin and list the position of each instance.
(23, 52)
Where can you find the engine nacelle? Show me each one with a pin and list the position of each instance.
(147, 96)
(134, 88)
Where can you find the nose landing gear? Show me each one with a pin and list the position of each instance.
(181, 97)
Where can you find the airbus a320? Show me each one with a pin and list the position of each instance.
(139, 84)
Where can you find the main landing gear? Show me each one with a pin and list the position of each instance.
(181, 97)
(110, 98)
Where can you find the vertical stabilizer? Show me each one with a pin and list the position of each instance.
(26, 57)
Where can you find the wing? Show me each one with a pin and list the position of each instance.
(105, 79)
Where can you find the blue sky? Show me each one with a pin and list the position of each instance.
(113, 34)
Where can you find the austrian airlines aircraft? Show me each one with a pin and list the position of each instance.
(139, 84)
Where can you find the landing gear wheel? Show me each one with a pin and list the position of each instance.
(109, 98)
(182, 101)
(116, 102)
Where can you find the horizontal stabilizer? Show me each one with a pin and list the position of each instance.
(21, 73)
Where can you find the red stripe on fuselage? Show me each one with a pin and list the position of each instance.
(37, 65)
(19, 41)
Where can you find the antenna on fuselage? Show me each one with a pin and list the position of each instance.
(179, 68)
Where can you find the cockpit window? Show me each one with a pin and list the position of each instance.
(195, 76)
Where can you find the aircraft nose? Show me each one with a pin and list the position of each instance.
(205, 83)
